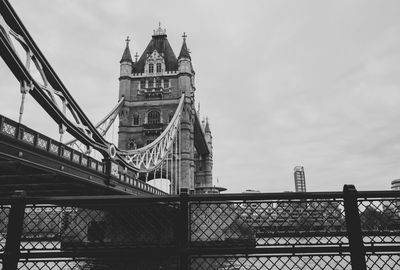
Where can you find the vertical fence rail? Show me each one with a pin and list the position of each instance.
(14, 231)
(184, 218)
(207, 232)
(353, 224)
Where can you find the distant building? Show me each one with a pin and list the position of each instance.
(299, 179)
(396, 184)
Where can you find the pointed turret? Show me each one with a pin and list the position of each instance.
(208, 135)
(126, 56)
(125, 71)
(207, 128)
(184, 50)
(185, 71)
(205, 182)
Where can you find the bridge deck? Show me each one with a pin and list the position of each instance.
(32, 162)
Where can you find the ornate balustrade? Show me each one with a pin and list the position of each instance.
(22, 136)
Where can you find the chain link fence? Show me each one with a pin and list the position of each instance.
(349, 230)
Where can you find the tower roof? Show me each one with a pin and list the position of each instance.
(126, 56)
(207, 128)
(159, 42)
(184, 50)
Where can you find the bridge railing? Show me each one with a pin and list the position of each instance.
(27, 138)
(335, 230)
(35, 139)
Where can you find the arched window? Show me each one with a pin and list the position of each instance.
(131, 144)
(170, 115)
(151, 68)
(153, 117)
(158, 67)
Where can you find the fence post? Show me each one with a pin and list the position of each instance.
(14, 230)
(184, 236)
(353, 224)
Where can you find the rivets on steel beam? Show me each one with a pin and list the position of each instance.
(20, 154)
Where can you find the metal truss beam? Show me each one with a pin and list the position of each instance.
(51, 93)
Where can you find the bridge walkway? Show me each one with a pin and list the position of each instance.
(42, 166)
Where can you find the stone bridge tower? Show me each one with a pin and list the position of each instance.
(152, 85)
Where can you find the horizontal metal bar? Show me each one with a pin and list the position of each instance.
(206, 198)
(267, 196)
(102, 253)
(194, 198)
(382, 248)
(101, 200)
(168, 251)
(268, 250)
(378, 194)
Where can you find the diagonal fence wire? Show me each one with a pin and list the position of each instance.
(224, 232)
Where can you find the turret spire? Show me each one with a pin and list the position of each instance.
(184, 50)
(159, 31)
(126, 56)
(207, 128)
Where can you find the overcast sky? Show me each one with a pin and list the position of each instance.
(284, 83)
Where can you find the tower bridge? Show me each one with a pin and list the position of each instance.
(160, 137)
(160, 134)
(152, 87)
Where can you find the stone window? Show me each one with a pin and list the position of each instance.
(153, 117)
(170, 115)
(135, 120)
(158, 82)
(142, 84)
(166, 83)
(158, 67)
(151, 82)
(151, 68)
(131, 144)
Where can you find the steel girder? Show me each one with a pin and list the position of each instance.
(66, 112)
